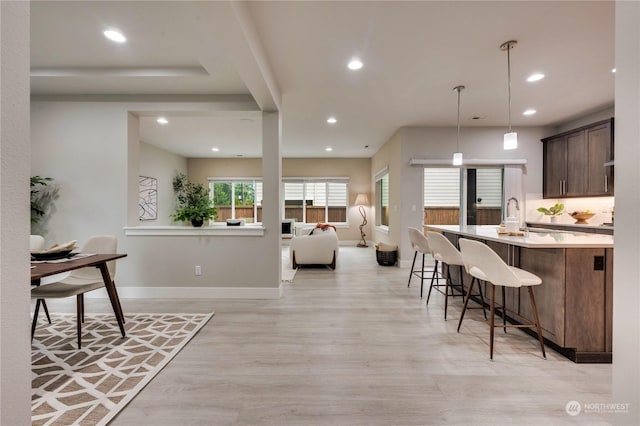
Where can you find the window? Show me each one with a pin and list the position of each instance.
(441, 196)
(481, 203)
(382, 199)
(237, 199)
(316, 200)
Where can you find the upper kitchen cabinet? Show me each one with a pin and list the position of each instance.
(574, 162)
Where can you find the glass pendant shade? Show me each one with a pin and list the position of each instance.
(457, 159)
(510, 140)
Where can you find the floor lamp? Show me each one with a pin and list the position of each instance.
(362, 200)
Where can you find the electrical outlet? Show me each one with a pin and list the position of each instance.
(198, 270)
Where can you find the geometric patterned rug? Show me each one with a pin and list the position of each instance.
(90, 386)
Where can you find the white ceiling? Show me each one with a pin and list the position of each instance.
(293, 55)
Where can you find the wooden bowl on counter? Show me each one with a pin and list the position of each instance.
(581, 217)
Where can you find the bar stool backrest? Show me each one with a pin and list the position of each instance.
(442, 249)
(418, 241)
(478, 255)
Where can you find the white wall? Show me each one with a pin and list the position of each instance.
(15, 371)
(626, 273)
(164, 166)
(85, 146)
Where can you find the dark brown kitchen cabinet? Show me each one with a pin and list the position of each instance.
(600, 151)
(574, 162)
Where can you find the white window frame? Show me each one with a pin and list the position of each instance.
(317, 180)
(384, 172)
(463, 186)
(233, 181)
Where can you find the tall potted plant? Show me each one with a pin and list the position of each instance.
(193, 202)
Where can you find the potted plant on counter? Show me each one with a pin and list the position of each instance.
(553, 212)
(193, 202)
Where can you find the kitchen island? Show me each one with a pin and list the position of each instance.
(575, 298)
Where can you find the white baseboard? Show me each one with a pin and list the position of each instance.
(193, 293)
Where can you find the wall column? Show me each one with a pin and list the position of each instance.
(626, 272)
(272, 189)
(15, 356)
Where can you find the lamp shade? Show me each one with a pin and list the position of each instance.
(510, 140)
(457, 159)
(362, 200)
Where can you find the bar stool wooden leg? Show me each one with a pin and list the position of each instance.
(422, 277)
(504, 309)
(433, 276)
(484, 310)
(466, 301)
(492, 320)
(415, 254)
(447, 285)
(537, 319)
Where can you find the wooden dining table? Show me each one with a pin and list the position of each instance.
(40, 270)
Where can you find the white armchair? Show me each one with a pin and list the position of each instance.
(319, 248)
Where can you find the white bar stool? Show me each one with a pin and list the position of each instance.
(420, 245)
(484, 264)
(447, 254)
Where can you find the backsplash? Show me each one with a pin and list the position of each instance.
(601, 206)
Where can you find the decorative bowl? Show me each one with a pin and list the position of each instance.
(582, 217)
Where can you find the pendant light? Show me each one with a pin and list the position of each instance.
(510, 138)
(457, 156)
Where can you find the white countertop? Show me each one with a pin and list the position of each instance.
(551, 239)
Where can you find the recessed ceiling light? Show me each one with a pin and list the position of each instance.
(215, 149)
(332, 120)
(162, 120)
(115, 35)
(535, 77)
(355, 64)
(328, 149)
(529, 112)
(613, 70)
(246, 120)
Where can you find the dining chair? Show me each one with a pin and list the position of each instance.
(420, 245)
(447, 254)
(484, 264)
(79, 281)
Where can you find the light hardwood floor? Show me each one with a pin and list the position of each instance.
(355, 346)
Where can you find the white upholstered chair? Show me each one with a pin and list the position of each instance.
(319, 248)
(484, 264)
(79, 281)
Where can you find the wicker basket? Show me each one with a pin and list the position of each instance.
(386, 258)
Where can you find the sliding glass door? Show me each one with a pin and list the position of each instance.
(463, 195)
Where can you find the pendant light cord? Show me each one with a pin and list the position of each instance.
(458, 141)
(509, 80)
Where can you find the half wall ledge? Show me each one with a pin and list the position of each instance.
(214, 230)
